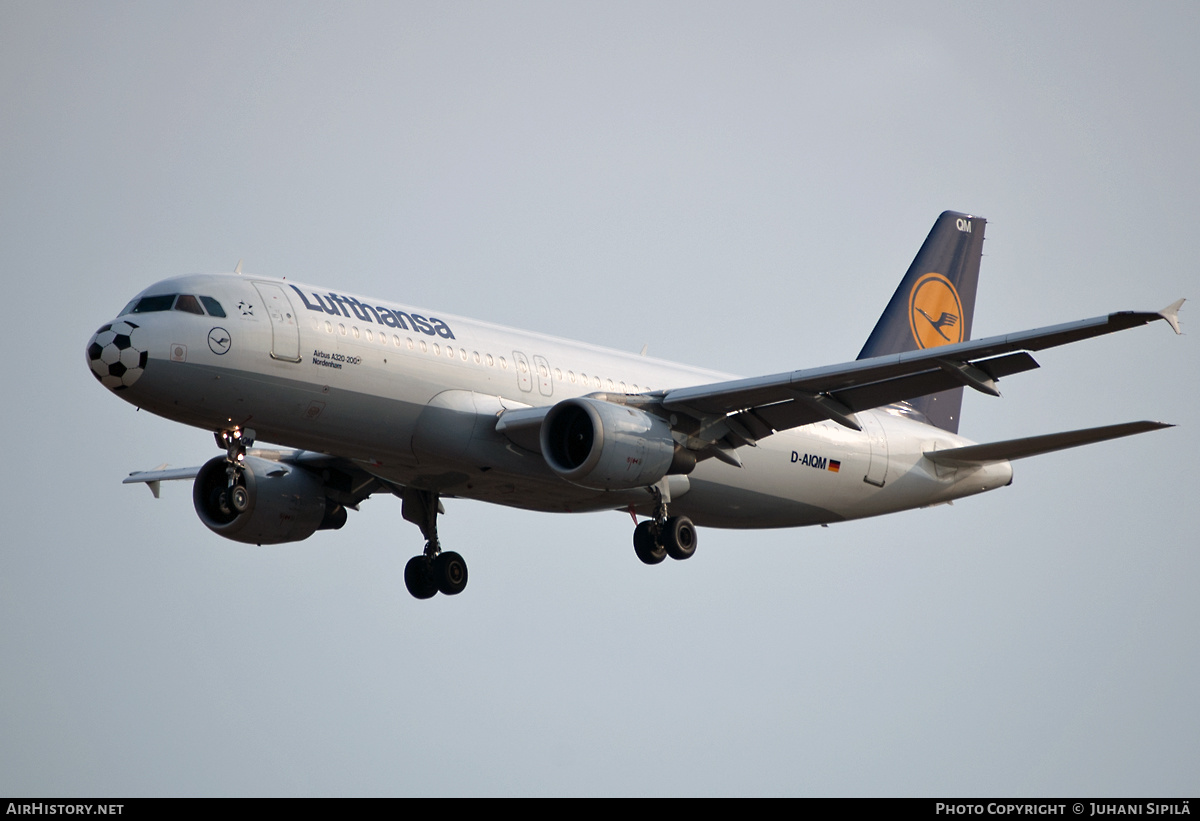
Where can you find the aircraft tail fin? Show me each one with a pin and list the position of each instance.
(934, 305)
(1037, 445)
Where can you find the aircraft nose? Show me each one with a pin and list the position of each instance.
(117, 354)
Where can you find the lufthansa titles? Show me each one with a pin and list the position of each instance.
(349, 307)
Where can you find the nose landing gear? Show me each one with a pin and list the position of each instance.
(235, 498)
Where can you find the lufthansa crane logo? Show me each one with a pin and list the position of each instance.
(935, 312)
(218, 341)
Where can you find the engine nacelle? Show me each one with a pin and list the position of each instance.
(283, 503)
(606, 446)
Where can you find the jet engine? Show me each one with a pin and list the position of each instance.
(274, 503)
(606, 446)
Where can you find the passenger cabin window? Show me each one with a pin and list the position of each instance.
(187, 302)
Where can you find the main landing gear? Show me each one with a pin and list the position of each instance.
(433, 571)
(662, 536)
(235, 498)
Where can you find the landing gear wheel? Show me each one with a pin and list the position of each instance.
(435, 570)
(418, 578)
(219, 500)
(679, 537)
(239, 498)
(645, 543)
(450, 573)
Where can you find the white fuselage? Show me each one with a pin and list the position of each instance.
(413, 398)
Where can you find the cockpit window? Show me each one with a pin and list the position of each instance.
(214, 307)
(189, 303)
(150, 304)
(180, 302)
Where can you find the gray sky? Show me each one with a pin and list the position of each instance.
(740, 187)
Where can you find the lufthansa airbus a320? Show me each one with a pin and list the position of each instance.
(374, 396)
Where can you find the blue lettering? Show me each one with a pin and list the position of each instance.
(422, 324)
(336, 304)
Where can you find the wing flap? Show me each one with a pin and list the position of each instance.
(1037, 445)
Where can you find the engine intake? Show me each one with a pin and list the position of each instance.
(282, 503)
(606, 446)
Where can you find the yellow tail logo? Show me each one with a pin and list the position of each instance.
(935, 312)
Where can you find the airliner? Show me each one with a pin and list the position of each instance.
(369, 396)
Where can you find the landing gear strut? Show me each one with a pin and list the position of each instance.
(235, 498)
(434, 571)
(662, 536)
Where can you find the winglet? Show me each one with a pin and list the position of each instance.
(1171, 314)
(238, 269)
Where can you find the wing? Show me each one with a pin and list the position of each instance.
(344, 482)
(751, 409)
(714, 420)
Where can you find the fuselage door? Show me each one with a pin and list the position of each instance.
(285, 330)
(524, 377)
(877, 439)
(545, 385)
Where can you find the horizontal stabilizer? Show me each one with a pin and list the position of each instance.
(1036, 445)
